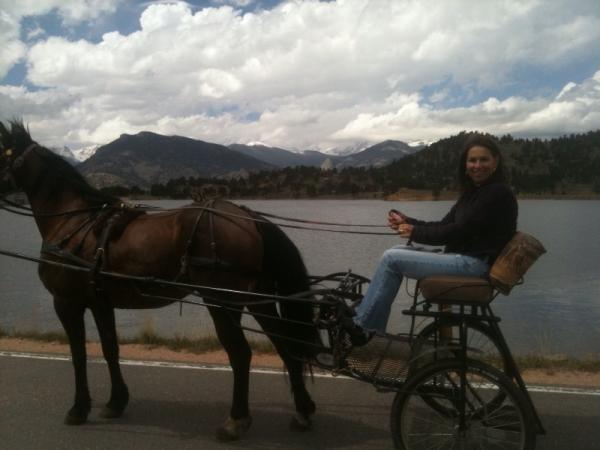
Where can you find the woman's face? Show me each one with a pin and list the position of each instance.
(481, 164)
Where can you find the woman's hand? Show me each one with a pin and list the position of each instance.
(405, 230)
(395, 219)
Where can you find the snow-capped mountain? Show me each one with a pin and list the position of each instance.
(350, 149)
(66, 153)
(75, 156)
(85, 152)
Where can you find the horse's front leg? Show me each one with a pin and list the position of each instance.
(104, 316)
(231, 336)
(71, 314)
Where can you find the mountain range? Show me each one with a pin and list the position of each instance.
(147, 158)
(279, 157)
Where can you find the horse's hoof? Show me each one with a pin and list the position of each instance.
(75, 420)
(300, 422)
(233, 429)
(116, 405)
(110, 413)
(76, 417)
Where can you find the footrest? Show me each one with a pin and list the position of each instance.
(383, 361)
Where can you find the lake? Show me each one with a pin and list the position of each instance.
(556, 311)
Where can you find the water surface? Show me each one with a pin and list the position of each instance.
(557, 310)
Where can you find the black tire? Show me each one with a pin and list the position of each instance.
(416, 425)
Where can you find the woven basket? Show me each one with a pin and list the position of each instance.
(515, 259)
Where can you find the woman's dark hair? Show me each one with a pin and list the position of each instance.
(481, 141)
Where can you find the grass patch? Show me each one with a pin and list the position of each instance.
(209, 343)
(553, 363)
(147, 336)
(45, 336)
(150, 338)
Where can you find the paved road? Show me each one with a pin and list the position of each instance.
(179, 408)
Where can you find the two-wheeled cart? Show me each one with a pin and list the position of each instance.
(457, 384)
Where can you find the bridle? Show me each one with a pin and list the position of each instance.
(13, 161)
(9, 153)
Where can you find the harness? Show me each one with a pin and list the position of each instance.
(103, 223)
(108, 224)
(212, 262)
(186, 259)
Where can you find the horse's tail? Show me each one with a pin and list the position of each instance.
(282, 259)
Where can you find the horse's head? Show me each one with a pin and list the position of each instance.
(14, 144)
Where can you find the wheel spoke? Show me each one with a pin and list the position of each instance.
(426, 414)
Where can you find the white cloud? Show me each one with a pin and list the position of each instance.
(238, 3)
(570, 85)
(576, 109)
(12, 49)
(71, 11)
(11, 13)
(306, 73)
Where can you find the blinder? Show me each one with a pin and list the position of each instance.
(11, 162)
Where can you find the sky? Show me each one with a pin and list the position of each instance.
(299, 74)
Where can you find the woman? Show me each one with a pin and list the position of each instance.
(474, 232)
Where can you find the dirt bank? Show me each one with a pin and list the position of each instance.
(147, 353)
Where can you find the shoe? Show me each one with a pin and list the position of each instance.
(325, 360)
(357, 334)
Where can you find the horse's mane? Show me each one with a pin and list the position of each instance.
(57, 167)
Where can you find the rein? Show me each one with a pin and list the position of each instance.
(193, 289)
(7, 205)
(16, 161)
(207, 292)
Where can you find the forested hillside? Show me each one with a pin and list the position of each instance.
(558, 166)
(568, 165)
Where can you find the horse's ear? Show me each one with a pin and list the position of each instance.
(5, 136)
(19, 134)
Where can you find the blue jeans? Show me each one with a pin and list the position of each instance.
(402, 261)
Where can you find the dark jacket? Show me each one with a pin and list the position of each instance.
(479, 224)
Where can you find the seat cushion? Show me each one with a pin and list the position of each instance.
(449, 289)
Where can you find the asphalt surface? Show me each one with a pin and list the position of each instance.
(180, 408)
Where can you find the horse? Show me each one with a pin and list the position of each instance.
(222, 246)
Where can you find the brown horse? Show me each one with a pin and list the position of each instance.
(218, 247)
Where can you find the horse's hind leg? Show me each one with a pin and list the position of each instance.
(71, 314)
(274, 326)
(231, 336)
(104, 315)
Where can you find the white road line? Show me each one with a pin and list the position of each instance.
(221, 368)
(171, 365)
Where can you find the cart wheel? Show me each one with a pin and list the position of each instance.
(439, 340)
(469, 412)
(443, 334)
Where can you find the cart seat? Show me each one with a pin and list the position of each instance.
(506, 272)
(450, 289)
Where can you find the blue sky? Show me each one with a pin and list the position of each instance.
(299, 74)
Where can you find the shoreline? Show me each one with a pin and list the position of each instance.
(402, 195)
(146, 352)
